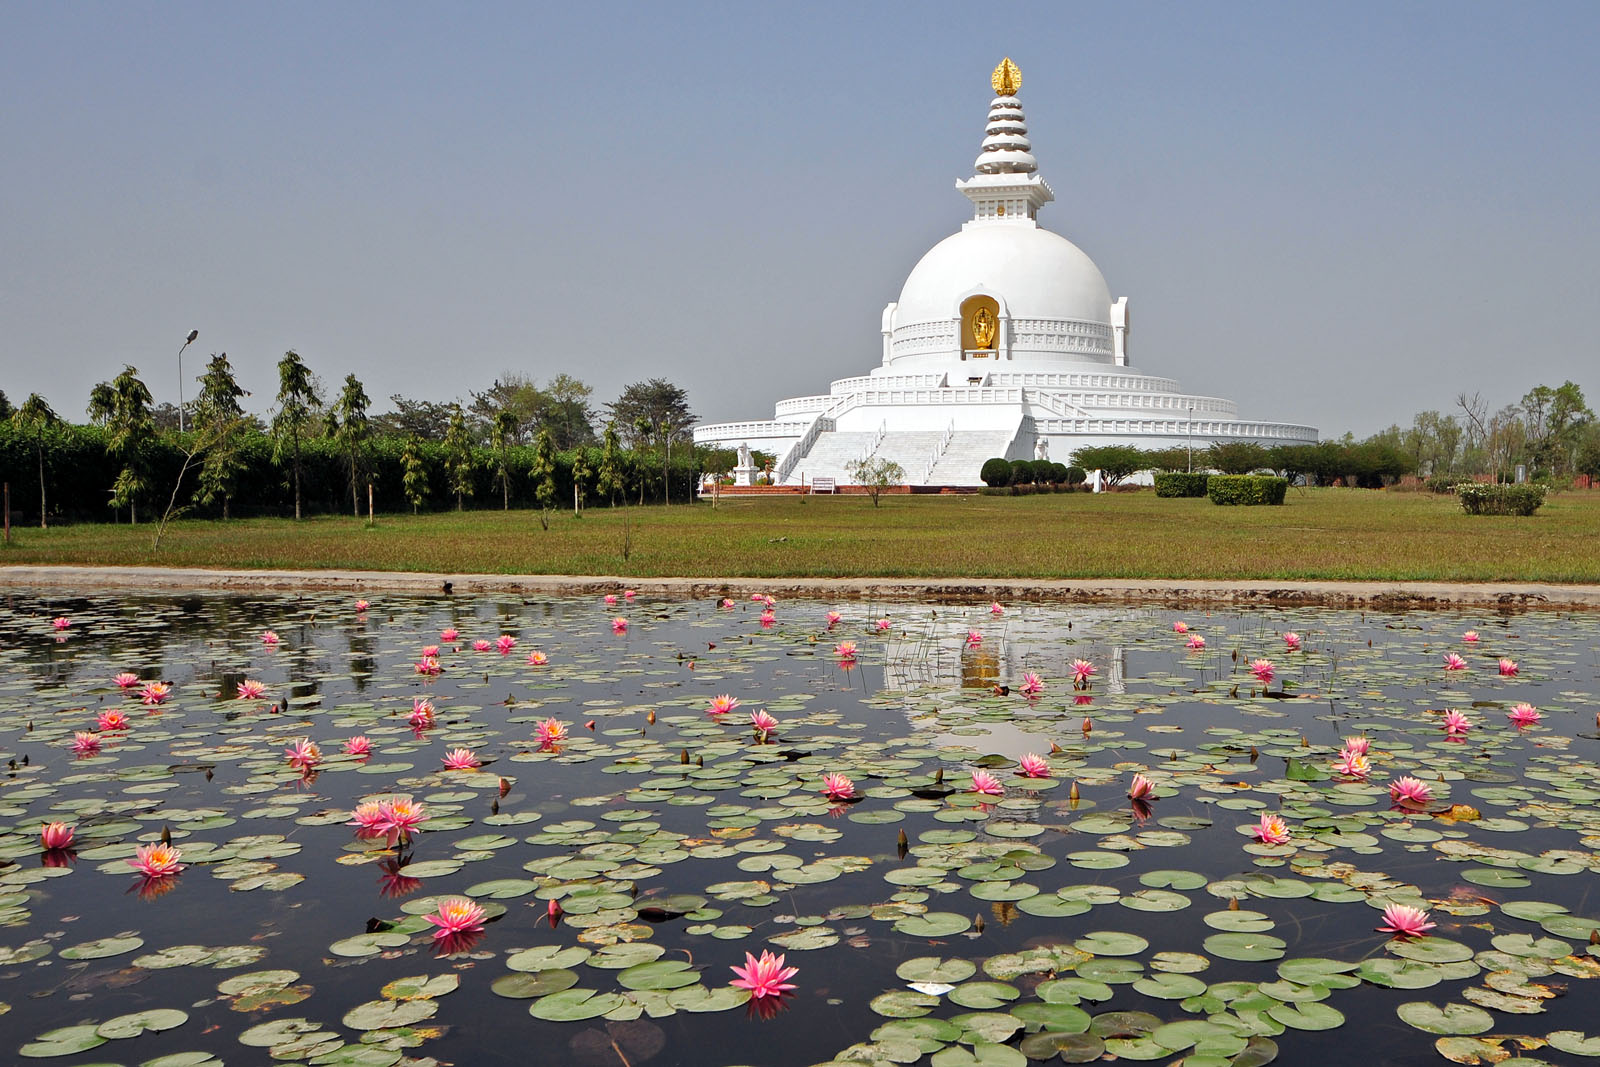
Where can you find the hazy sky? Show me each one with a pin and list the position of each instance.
(1335, 214)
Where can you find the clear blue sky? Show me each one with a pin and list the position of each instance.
(1334, 214)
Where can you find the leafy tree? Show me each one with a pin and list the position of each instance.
(566, 413)
(513, 395)
(132, 430)
(102, 403)
(414, 482)
(352, 430)
(35, 416)
(1237, 457)
(580, 480)
(1588, 459)
(298, 405)
(1116, 462)
(505, 432)
(6, 410)
(458, 455)
(1555, 420)
(423, 419)
(1173, 459)
(611, 474)
(222, 422)
(875, 474)
(544, 474)
(650, 409)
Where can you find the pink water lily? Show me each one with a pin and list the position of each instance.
(54, 835)
(1195, 643)
(456, 916)
(112, 720)
(611, 598)
(481, 645)
(1508, 668)
(833, 619)
(764, 977)
(1470, 637)
(1180, 627)
(845, 650)
(1524, 715)
(158, 860)
(1082, 670)
(1402, 920)
(550, 732)
(359, 746)
(504, 644)
(250, 689)
(1291, 641)
(987, 784)
(428, 665)
(1352, 764)
(769, 600)
(1271, 830)
(368, 817)
(1263, 669)
(449, 635)
(1359, 744)
(303, 754)
(85, 743)
(1033, 765)
(1408, 790)
(269, 638)
(61, 622)
(996, 610)
(721, 705)
(619, 625)
(629, 594)
(1455, 723)
(974, 638)
(1141, 788)
(762, 722)
(362, 605)
(883, 624)
(836, 786)
(400, 816)
(1453, 662)
(1032, 685)
(461, 759)
(768, 617)
(422, 713)
(537, 658)
(431, 650)
(727, 602)
(126, 680)
(155, 692)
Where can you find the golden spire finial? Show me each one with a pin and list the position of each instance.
(1006, 79)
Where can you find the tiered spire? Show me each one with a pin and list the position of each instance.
(1006, 185)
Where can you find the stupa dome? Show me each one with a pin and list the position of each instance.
(1034, 273)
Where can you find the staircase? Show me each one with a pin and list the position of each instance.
(830, 457)
(965, 454)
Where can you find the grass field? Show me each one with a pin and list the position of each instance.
(1319, 533)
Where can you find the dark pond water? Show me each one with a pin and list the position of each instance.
(1056, 920)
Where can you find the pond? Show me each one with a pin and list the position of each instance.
(606, 845)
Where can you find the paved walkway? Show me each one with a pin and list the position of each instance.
(1383, 595)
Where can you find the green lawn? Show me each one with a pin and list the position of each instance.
(1319, 533)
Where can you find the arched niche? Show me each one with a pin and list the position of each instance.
(980, 325)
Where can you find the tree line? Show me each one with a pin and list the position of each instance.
(515, 444)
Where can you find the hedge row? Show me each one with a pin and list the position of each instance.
(1247, 489)
(1479, 499)
(1178, 483)
(79, 473)
(998, 472)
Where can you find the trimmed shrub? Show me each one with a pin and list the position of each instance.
(1076, 475)
(996, 472)
(1247, 489)
(1058, 473)
(1178, 483)
(1444, 484)
(1479, 499)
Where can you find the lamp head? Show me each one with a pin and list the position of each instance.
(192, 335)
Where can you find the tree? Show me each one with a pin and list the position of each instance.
(6, 410)
(352, 430)
(1172, 459)
(1588, 461)
(610, 475)
(131, 433)
(415, 480)
(1115, 462)
(298, 404)
(1237, 457)
(423, 419)
(458, 455)
(1555, 419)
(505, 432)
(566, 413)
(511, 394)
(650, 408)
(544, 474)
(717, 462)
(875, 474)
(580, 479)
(220, 419)
(102, 403)
(35, 416)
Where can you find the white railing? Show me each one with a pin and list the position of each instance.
(1226, 429)
(819, 425)
(877, 439)
(731, 431)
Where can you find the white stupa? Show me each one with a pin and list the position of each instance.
(1005, 342)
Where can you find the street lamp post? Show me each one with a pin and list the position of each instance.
(187, 341)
